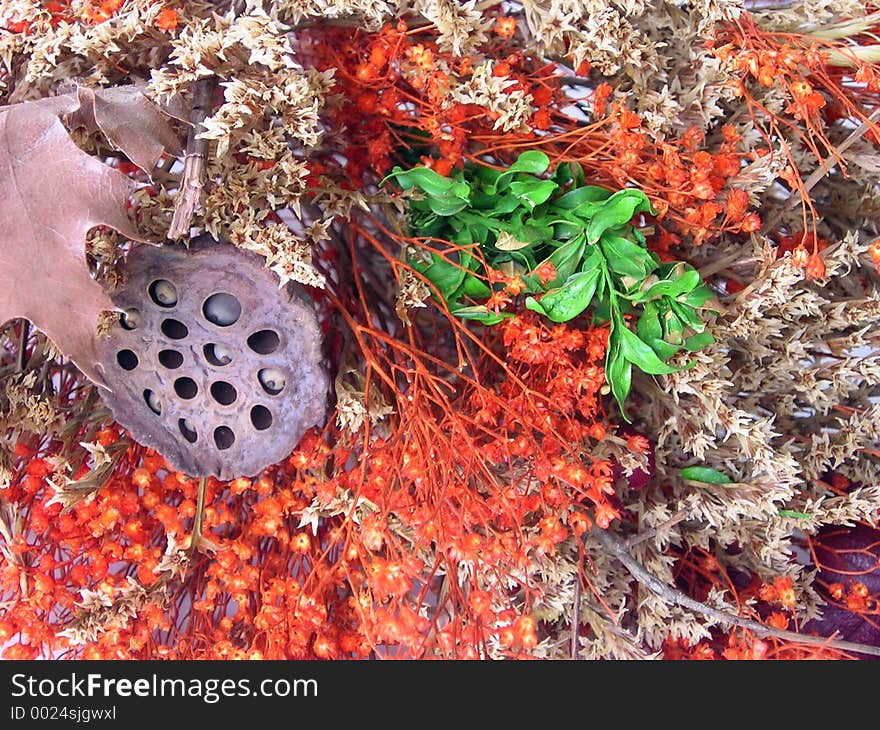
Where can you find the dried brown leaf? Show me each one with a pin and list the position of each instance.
(52, 193)
(129, 120)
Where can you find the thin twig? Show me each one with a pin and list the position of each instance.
(577, 81)
(823, 169)
(648, 534)
(829, 162)
(166, 164)
(22, 345)
(576, 618)
(199, 542)
(734, 259)
(192, 180)
(616, 547)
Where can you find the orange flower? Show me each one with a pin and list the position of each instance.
(505, 27)
(301, 542)
(778, 620)
(546, 272)
(167, 19)
(800, 257)
(638, 444)
(815, 268)
(874, 251)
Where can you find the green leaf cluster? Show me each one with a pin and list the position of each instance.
(526, 215)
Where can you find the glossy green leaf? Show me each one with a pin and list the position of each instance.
(665, 288)
(530, 232)
(482, 201)
(570, 172)
(699, 296)
(460, 189)
(534, 192)
(592, 258)
(616, 211)
(640, 354)
(688, 315)
(505, 205)
(483, 174)
(626, 258)
(662, 348)
(649, 323)
(564, 230)
(618, 373)
(567, 302)
(793, 514)
(480, 313)
(445, 276)
(698, 341)
(566, 259)
(524, 224)
(533, 162)
(475, 288)
(577, 197)
(651, 332)
(602, 309)
(423, 178)
(445, 205)
(673, 327)
(705, 474)
(478, 233)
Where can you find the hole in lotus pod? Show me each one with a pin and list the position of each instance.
(127, 359)
(218, 355)
(222, 309)
(186, 388)
(264, 342)
(170, 359)
(223, 437)
(130, 319)
(261, 417)
(174, 329)
(223, 393)
(163, 293)
(154, 403)
(187, 431)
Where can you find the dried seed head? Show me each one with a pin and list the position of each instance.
(221, 383)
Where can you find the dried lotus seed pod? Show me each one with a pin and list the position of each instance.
(212, 364)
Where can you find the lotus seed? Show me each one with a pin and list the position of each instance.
(222, 354)
(131, 319)
(272, 379)
(154, 402)
(164, 293)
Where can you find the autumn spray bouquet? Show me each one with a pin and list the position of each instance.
(438, 329)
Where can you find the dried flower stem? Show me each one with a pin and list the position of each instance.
(22, 346)
(576, 618)
(674, 520)
(823, 169)
(197, 542)
(192, 180)
(616, 547)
